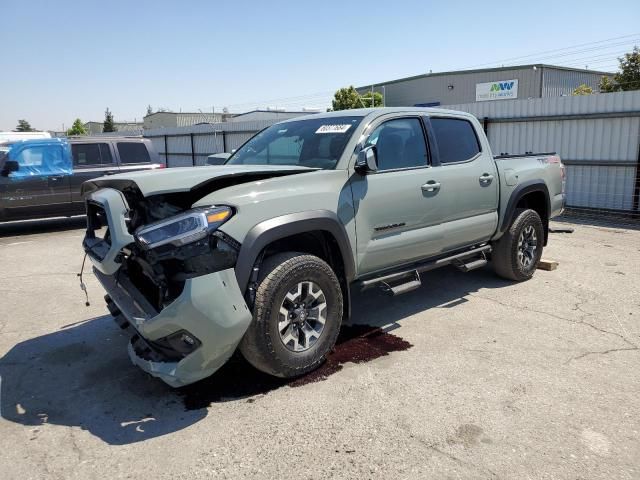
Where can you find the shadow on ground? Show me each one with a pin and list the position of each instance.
(81, 375)
(45, 225)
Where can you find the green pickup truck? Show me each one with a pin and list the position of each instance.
(262, 253)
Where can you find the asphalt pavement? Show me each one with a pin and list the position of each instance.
(469, 377)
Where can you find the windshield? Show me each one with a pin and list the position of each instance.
(314, 142)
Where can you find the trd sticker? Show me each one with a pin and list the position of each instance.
(333, 128)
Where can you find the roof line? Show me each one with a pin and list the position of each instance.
(482, 70)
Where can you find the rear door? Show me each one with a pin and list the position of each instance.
(397, 214)
(468, 180)
(135, 155)
(90, 160)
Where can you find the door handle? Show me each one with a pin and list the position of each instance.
(486, 178)
(431, 186)
(110, 172)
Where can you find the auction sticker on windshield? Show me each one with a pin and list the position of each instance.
(333, 128)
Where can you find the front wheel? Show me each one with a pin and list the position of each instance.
(516, 254)
(296, 316)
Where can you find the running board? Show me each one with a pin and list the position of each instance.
(472, 265)
(407, 284)
(412, 283)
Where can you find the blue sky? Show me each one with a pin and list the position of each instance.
(68, 59)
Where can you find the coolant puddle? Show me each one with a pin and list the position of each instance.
(238, 379)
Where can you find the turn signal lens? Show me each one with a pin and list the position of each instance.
(218, 216)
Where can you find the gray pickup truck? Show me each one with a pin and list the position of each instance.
(262, 253)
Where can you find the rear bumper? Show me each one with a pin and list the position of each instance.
(210, 307)
(557, 204)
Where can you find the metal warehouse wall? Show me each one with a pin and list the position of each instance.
(596, 136)
(435, 88)
(557, 82)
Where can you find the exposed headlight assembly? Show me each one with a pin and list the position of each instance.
(182, 229)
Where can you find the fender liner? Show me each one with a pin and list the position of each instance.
(276, 228)
(530, 186)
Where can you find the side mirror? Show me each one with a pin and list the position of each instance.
(367, 161)
(9, 166)
(217, 158)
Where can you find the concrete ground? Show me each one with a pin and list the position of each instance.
(481, 378)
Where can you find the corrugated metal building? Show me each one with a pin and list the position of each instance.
(490, 84)
(259, 115)
(132, 128)
(181, 119)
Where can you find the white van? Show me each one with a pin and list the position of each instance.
(16, 136)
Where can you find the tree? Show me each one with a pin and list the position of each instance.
(149, 110)
(77, 128)
(628, 78)
(377, 99)
(348, 98)
(24, 126)
(607, 85)
(582, 90)
(108, 124)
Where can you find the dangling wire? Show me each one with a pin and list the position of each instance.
(83, 287)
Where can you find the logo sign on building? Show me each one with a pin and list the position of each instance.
(501, 90)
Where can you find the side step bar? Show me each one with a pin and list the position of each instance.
(407, 280)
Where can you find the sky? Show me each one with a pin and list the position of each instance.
(72, 59)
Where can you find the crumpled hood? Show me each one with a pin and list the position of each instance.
(186, 179)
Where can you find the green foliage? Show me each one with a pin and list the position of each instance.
(628, 78)
(348, 98)
(608, 86)
(377, 99)
(108, 124)
(24, 126)
(77, 128)
(582, 90)
(629, 75)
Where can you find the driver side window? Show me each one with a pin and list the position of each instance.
(399, 143)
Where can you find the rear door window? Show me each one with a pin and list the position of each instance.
(456, 138)
(133, 152)
(91, 154)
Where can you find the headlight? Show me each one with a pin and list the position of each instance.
(184, 228)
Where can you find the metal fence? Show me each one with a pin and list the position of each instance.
(190, 146)
(597, 137)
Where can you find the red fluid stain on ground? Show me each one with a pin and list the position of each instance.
(238, 379)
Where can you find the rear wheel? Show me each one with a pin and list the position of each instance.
(296, 316)
(516, 254)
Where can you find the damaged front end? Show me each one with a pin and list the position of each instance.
(169, 273)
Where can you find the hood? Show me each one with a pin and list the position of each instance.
(198, 180)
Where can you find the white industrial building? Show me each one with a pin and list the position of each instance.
(489, 84)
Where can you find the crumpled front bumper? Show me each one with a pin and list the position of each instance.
(211, 307)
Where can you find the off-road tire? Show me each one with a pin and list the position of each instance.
(505, 251)
(262, 344)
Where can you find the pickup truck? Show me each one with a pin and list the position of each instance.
(42, 178)
(262, 253)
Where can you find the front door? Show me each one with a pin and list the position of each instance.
(40, 187)
(397, 212)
